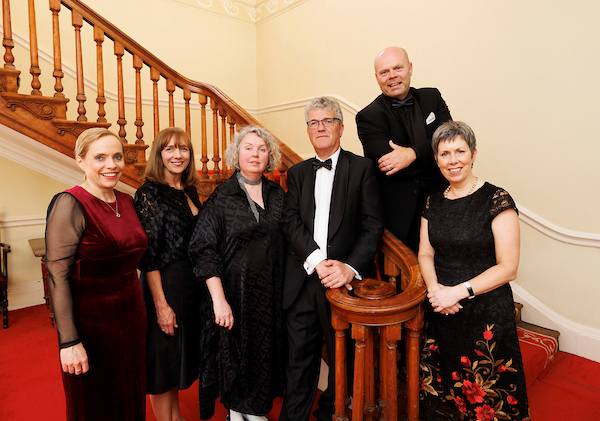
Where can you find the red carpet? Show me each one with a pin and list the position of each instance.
(30, 380)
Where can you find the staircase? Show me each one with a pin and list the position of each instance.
(208, 113)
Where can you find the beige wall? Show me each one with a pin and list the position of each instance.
(522, 74)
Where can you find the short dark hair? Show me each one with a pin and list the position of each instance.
(451, 130)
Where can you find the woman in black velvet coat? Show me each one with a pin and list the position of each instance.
(237, 250)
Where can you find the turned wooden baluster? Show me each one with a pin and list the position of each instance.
(100, 99)
(223, 113)
(187, 96)
(414, 331)
(341, 392)
(154, 77)
(77, 21)
(203, 101)
(58, 74)
(33, 52)
(137, 65)
(216, 159)
(7, 41)
(170, 90)
(359, 334)
(119, 52)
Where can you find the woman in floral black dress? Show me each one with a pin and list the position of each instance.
(237, 248)
(167, 205)
(471, 362)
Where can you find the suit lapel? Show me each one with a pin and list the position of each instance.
(338, 196)
(308, 198)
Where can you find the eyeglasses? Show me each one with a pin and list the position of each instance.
(327, 122)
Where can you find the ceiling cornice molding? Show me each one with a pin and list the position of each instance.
(248, 11)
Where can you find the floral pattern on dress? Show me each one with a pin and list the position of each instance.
(474, 391)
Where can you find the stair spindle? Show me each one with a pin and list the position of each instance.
(154, 77)
(139, 122)
(231, 122)
(203, 101)
(33, 51)
(216, 159)
(7, 41)
(58, 74)
(119, 52)
(77, 21)
(170, 90)
(224, 140)
(100, 99)
(187, 96)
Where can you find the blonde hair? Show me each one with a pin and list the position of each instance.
(155, 167)
(232, 154)
(89, 136)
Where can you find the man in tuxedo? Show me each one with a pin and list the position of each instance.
(395, 131)
(333, 222)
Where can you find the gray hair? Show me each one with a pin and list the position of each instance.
(324, 103)
(232, 154)
(449, 131)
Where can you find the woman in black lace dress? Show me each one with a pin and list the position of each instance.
(167, 205)
(471, 362)
(237, 249)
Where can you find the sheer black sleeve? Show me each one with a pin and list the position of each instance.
(152, 218)
(65, 224)
(501, 201)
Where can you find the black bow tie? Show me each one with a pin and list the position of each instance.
(397, 103)
(320, 164)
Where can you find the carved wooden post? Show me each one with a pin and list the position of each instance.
(203, 101)
(370, 407)
(341, 383)
(139, 122)
(223, 113)
(187, 96)
(359, 334)
(7, 41)
(414, 329)
(100, 99)
(215, 129)
(171, 89)
(33, 52)
(119, 52)
(392, 334)
(58, 73)
(77, 21)
(154, 77)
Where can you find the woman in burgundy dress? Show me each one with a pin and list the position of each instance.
(94, 242)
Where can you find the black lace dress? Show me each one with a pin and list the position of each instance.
(171, 361)
(244, 366)
(471, 364)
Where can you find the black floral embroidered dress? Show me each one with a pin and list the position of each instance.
(244, 366)
(471, 364)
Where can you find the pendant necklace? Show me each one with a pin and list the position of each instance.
(116, 211)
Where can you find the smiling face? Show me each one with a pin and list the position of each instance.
(176, 158)
(103, 164)
(325, 140)
(253, 156)
(455, 159)
(393, 72)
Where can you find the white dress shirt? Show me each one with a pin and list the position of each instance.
(323, 190)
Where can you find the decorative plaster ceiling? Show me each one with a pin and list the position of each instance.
(247, 11)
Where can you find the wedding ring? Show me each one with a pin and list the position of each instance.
(77, 370)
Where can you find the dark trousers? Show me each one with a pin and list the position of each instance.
(308, 322)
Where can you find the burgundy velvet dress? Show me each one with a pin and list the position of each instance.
(97, 300)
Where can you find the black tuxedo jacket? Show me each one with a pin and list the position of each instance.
(355, 219)
(376, 125)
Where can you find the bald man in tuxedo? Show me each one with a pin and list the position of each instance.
(395, 131)
(333, 222)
